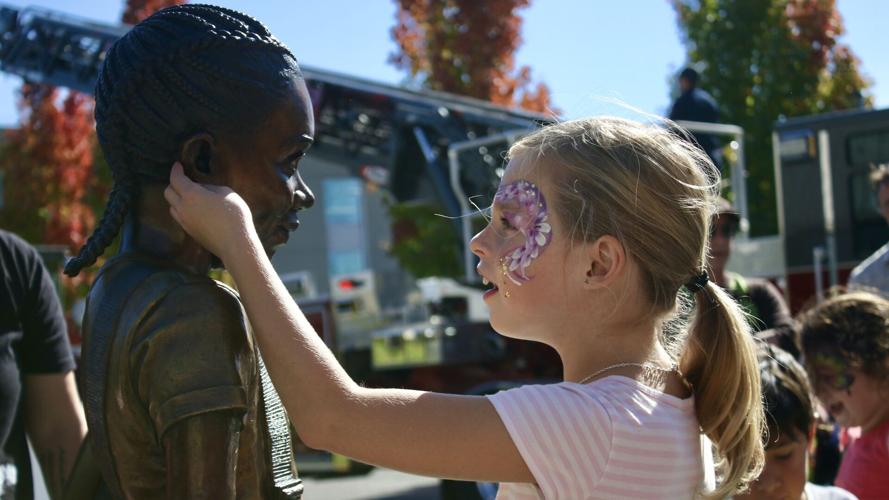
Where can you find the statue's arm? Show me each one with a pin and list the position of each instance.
(201, 454)
(194, 366)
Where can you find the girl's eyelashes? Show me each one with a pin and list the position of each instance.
(505, 223)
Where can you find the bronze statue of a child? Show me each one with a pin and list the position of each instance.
(177, 400)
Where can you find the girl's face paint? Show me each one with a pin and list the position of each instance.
(524, 208)
(852, 397)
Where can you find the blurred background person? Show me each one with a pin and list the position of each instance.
(845, 342)
(758, 297)
(695, 104)
(38, 393)
(873, 272)
(791, 428)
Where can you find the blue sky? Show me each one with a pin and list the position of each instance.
(590, 52)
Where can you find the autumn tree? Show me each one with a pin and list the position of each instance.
(136, 10)
(467, 47)
(54, 178)
(767, 59)
(47, 167)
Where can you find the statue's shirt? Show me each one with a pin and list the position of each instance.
(180, 347)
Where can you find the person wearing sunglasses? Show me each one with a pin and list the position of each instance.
(845, 343)
(758, 297)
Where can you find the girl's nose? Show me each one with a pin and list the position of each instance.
(476, 244)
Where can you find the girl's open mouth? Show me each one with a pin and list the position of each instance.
(835, 409)
(490, 292)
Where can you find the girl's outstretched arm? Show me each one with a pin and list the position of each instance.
(434, 434)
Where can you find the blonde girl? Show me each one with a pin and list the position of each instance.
(596, 227)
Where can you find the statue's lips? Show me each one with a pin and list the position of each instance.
(281, 234)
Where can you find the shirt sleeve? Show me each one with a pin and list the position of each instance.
(563, 433)
(45, 345)
(193, 356)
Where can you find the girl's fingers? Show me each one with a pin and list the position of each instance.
(175, 215)
(178, 180)
(172, 196)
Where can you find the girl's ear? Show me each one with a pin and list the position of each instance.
(197, 156)
(607, 261)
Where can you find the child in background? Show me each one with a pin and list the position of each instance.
(845, 343)
(596, 227)
(790, 417)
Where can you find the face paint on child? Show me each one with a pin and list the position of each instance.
(529, 218)
(830, 372)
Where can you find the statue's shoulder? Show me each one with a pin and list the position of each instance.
(187, 347)
(147, 277)
(160, 296)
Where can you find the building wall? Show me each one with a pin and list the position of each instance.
(307, 249)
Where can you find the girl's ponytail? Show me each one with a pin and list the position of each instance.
(719, 360)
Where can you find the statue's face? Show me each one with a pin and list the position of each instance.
(262, 165)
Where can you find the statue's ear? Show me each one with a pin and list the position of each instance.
(198, 158)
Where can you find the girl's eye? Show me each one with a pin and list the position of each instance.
(506, 224)
(784, 456)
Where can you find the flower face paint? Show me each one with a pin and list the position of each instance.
(525, 209)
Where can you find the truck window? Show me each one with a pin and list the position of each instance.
(868, 148)
(869, 230)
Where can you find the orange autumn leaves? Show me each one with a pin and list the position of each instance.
(467, 47)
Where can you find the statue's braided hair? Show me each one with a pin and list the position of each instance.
(183, 70)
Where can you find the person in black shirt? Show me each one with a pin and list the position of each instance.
(694, 104)
(38, 394)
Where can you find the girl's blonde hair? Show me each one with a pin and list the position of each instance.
(657, 194)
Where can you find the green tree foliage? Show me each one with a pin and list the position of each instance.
(423, 242)
(768, 59)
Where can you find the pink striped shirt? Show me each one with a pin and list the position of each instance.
(613, 438)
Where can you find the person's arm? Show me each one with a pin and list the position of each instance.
(420, 432)
(53, 413)
(440, 435)
(55, 424)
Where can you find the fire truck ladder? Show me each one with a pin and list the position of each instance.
(43, 46)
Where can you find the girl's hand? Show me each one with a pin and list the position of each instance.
(215, 216)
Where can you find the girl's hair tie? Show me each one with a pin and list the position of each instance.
(697, 283)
